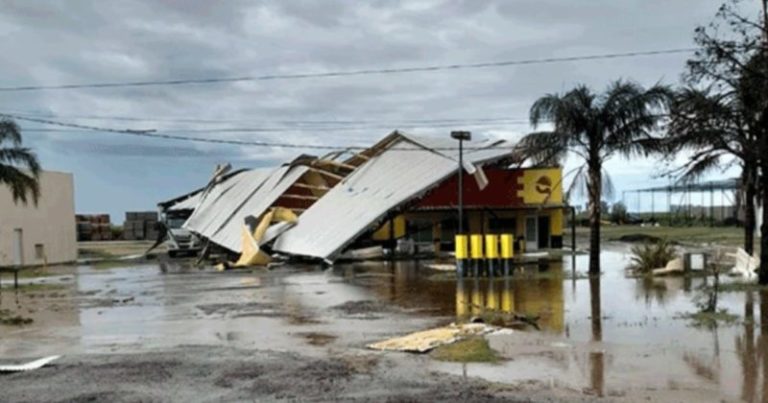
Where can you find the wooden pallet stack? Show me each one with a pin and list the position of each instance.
(140, 225)
(93, 227)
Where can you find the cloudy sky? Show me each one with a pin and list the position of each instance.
(72, 42)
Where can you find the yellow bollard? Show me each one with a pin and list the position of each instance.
(507, 246)
(476, 246)
(461, 247)
(492, 246)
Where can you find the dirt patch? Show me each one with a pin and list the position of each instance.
(317, 338)
(8, 318)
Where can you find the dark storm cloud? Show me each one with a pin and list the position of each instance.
(132, 40)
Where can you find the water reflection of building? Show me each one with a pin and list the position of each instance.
(538, 294)
(537, 297)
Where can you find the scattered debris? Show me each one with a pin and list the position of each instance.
(32, 365)
(271, 224)
(746, 266)
(674, 266)
(372, 252)
(441, 267)
(424, 341)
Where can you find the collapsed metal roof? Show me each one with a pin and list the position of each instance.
(221, 218)
(222, 208)
(398, 169)
(187, 204)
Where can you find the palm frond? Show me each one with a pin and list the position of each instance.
(543, 148)
(20, 156)
(608, 189)
(578, 186)
(22, 185)
(9, 131)
(699, 166)
(631, 117)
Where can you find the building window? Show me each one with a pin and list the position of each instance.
(39, 251)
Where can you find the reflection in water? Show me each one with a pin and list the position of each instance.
(745, 347)
(763, 340)
(542, 298)
(640, 313)
(751, 353)
(596, 358)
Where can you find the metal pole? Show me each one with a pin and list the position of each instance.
(461, 136)
(669, 206)
(711, 205)
(461, 186)
(573, 242)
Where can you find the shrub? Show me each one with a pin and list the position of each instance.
(652, 255)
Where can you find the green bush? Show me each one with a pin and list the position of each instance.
(652, 255)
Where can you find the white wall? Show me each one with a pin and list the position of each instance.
(50, 224)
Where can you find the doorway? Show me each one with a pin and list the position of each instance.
(18, 247)
(531, 233)
(543, 232)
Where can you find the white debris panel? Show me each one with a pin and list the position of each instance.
(221, 212)
(404, 171)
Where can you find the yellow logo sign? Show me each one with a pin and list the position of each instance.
(541, 186)
(544, 185)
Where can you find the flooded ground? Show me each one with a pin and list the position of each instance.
(616, 338)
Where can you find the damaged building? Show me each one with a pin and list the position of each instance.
(397, 196)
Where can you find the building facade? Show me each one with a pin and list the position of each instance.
(527, 203)
(39, 235)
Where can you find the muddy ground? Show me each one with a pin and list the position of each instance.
(171, 331)
(197, 373)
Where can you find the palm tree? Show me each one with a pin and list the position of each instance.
(595, 127)
(19, 169)
(719, 132)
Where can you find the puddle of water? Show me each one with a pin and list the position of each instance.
(608, 335)
(604, 337)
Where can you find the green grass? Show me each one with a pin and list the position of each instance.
(731, 236)
(8, 285)
(37, 272)
(705, 319)
(740, 287)
(95, 253)
(473, 349)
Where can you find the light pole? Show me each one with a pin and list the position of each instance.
(461, 136)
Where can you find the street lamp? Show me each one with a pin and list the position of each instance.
(462, 136)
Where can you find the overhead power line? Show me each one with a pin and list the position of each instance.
(395, 70)
(152, 133)
(302, 122)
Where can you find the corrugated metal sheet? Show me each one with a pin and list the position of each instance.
(187, 204)
(400, 173)
(221, 213)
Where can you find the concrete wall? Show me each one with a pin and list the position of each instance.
(50, 224)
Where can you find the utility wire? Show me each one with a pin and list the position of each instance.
(182, 119)
(364, 72)
(152, 133)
